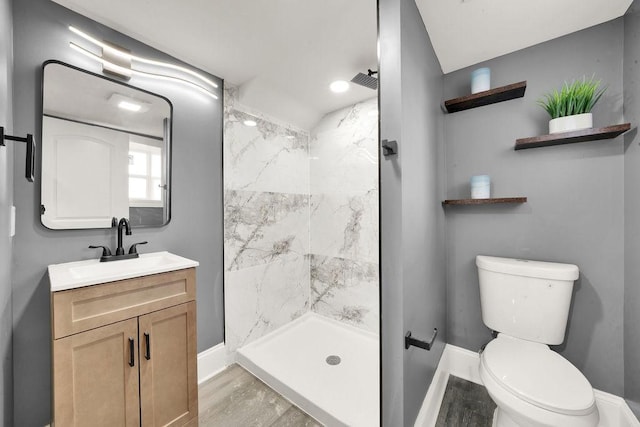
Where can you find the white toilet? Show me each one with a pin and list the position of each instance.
(527, 303)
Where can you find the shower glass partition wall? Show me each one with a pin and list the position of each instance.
(301, 256)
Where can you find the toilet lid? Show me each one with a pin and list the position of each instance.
(538, 375)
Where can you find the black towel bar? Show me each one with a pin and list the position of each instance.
(31, 149)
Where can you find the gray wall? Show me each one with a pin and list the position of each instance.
(412, 222)
(575, 211)
(195, 230)
(391, 329)
(423, 246)
(6, 200)
(632, 208)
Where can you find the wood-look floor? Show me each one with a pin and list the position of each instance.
(235, 398)
(465, 404)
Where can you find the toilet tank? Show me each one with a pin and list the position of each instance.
(526, 299)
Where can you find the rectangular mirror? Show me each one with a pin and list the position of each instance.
(105, 151)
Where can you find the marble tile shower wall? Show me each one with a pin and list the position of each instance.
(301, 220)
(266, 233)
(344, 234)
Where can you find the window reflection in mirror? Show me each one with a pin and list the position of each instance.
(105, 151)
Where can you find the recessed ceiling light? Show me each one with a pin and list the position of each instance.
(250, 123)
(129, 106)
(339, 86)
(127, 103)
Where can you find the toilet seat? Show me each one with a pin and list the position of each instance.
(536, 374)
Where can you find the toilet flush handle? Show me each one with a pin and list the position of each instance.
(409, 341)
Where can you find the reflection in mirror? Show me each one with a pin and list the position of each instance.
(105, 151)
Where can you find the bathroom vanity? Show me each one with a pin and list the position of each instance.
(124, 342)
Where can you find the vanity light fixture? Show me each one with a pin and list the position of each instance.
(130, 71)
(121, 57)
(129, 56)
(339, 86)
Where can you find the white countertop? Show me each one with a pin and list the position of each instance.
(76, 274)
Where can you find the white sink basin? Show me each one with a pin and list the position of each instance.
(90, 272)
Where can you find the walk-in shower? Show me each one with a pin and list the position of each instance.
(301, 210)
(301, 256)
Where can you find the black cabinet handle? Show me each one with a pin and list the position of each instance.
(132, 360)
(147, 340)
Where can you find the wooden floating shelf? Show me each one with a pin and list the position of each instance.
(493, 201)
(583, 135)
(492, 96)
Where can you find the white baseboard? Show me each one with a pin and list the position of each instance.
(431, 406)
(211, 362)
(462, 363)
(614, 410)
(455, 361)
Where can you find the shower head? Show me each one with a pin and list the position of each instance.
(366, 80)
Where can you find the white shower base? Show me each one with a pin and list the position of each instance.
(292, 360)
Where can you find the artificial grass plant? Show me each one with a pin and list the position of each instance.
(579, 97)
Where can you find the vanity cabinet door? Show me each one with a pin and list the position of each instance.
(168, 366)
(96, 377)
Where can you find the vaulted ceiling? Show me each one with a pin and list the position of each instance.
(283, 54)
(466, 32)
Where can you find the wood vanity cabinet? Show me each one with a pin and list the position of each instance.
(124, 353)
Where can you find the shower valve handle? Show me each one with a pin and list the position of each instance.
(389, 148)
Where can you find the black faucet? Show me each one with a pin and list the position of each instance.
(124, 223)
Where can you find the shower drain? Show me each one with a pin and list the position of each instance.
(333, 359)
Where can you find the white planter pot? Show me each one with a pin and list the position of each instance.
(569, 123)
